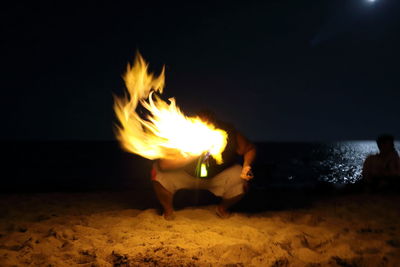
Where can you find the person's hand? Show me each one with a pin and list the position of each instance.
(246, 174)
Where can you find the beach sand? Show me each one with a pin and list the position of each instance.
(119, 229)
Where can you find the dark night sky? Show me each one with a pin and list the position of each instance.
(279, 70)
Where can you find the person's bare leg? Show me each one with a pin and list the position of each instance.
(222, 208)
(165, 197)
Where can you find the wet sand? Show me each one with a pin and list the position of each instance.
(126, 229)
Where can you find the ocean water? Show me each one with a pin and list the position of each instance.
(307, 163)
(80, 166)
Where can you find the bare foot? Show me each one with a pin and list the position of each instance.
(222, 212)
(169, 215)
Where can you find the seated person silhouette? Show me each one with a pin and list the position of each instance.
(382, 171)
(228, 180)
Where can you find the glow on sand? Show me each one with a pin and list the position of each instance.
(165, 132)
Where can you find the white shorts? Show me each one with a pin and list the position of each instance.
(227, 184)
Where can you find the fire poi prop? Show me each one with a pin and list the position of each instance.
(165, 132)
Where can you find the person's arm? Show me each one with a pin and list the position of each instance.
(176, 163)
(248, 150)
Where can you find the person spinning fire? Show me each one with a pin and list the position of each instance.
(228, 180)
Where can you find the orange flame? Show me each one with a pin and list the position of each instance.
(167, 132)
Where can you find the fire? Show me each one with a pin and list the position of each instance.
(165, 132)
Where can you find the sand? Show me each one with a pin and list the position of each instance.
(113, 229)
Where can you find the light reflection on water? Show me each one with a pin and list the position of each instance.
(343, 161)
(305, 163)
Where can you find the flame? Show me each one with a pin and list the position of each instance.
(166, 132)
